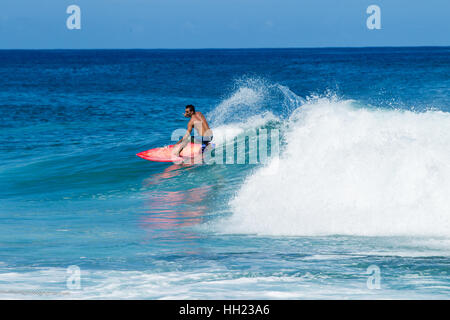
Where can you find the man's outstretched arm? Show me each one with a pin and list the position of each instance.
(188, 132)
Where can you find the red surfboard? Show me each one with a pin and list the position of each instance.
(164, 154)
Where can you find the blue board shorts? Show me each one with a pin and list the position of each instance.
(204, 140)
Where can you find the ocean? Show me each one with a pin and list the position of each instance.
(355, 203)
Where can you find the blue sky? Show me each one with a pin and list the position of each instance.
(41, 24)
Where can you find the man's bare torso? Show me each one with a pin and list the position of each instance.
(200, 124)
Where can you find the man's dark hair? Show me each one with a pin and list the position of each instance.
(190, 107)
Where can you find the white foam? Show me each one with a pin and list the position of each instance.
(244, 100)
(221, 283)
(252, 98)
(352, 171)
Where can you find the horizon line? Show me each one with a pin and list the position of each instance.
(234, 48)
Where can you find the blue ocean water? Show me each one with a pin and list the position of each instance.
(362, 180)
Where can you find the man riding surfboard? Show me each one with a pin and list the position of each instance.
(199, 123)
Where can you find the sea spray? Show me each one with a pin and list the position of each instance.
(353, 171)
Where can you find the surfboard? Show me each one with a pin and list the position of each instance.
(164, 154)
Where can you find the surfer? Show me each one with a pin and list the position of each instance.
(199, 123)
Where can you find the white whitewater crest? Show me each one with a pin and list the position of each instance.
(251, 105)
(243, 102)
(352, 171)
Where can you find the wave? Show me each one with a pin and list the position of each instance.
(218, 282)
(351, 170)
(253, 104)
